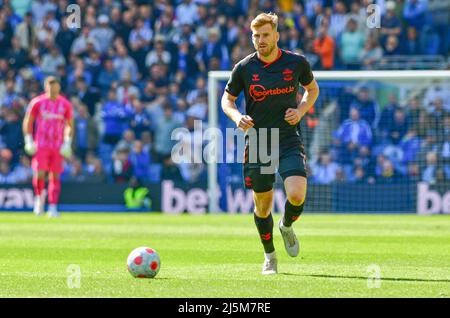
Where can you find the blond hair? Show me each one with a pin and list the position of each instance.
(263, 19)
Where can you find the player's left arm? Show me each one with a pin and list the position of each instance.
(294, 115)
(68, 129)
(66, 148)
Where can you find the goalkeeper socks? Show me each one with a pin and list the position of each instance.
(265, 229)
(54, 189)
(291, 213)
(38, 185)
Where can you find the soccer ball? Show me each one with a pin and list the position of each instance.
(143, 262)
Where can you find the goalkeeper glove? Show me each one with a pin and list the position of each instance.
(30, 147)
(66, 148)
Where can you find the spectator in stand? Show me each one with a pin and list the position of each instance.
(325, 170)
(371, 54)
(293, 40)
(122, 168)
(430, 41)
(437, 115)
(324, 47)
(430, 171)
(79, 71)
(147, 142)
(127, 141)
(200, 89)
(170, 171)
(186, 12)
(367, 107)
(359, 14)
(359, 176)
(387, 116)
(445, 148)
(115, 119)
(80, 44)
(25, 32)
(437, 90)
(392, 46)
(412, 44)
(123, 27)
(352, 44)
(390, 23)
(65, 38)
(388, 173)
(139, 42)
(164, 126)
(140, 160)
(191, 138)
(9, 95)
(354, 133)
(17, 56)
(364, 159)
(75, 172)
(95, 172)
(398, 127)
(108, 77)
(87, 95)
(338, 19)
(6, 31)
(414, 112)
(23, 171)
(126, 90)
(93, 64)
(103, 34)
(11, 133)
(213, 48)
(85, 133)
(6, 175)
(140, 119)
(414, 13)
(410, 146)
(186, 62)
(413, 172)
(158, 54)
(124, 64)
(51, 61)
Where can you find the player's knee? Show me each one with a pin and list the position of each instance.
(262, 210)
(262, 213)
(41, 174)
(296, 198)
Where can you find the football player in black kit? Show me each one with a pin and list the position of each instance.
(270, 79)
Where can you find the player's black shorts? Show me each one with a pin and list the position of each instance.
(292, 163)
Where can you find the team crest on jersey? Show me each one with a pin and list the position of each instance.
(255, 77)
(287, 75)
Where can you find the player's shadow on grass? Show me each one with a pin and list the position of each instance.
(395, 279)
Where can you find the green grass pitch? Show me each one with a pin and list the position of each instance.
(221, 256)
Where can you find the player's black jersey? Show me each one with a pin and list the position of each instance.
(270, 89)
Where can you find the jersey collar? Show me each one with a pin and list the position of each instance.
(270, 63)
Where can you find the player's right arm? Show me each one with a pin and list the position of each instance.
(27, 128)
(229, 108)
(234, 87)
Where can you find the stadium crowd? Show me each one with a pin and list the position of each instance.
(134, 71)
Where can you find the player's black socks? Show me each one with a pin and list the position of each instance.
(291, 213)
(265, 229)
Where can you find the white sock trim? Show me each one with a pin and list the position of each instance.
(269, 256)
(284, 226)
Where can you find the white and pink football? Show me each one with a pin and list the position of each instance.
(143, 262)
